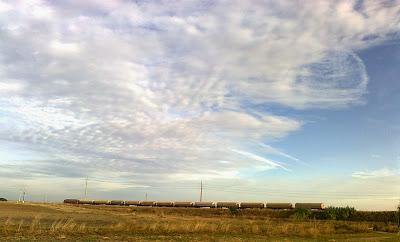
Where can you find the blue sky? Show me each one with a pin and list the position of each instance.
(263, 101)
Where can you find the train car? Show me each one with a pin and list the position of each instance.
(319, 206)
(116, 202)
(183, 204)
(227, 205)
(164, 204)
(86, 202)
(279, 206)
(186, 204)
(71, 201)
(147, 203)
(100, 202)
(204, 205)
(252, 205)
(132, 203)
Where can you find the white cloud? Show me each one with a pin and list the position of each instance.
(164, 89)
(208, 175)
(61, 49)
(376, 174)
(5, 7)
(11, 86)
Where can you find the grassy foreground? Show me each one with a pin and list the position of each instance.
(50, 222)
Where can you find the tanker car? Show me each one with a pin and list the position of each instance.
(188, 204)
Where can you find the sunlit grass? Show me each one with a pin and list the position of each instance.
(59, 221)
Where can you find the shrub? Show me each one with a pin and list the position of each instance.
(338, 213)
(234, 211)
(302, 213)
(376, 216)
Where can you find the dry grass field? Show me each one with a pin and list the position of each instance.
(53, 222)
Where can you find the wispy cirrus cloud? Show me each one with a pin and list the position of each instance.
(172, 88)
(376, 174)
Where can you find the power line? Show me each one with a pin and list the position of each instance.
(264, 191)
(246, 189)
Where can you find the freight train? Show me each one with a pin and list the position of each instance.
(180, 204)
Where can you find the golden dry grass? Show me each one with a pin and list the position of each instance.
(86, 223)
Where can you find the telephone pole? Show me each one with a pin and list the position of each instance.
(398, 216)
(201, 190)
(23, 196)
(86, 182)
(146, 196)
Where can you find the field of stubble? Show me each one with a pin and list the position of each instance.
(60, 222)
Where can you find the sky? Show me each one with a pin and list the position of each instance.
(275, 101)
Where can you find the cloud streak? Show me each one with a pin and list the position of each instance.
(376, 174)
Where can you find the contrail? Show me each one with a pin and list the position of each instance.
(259, 158)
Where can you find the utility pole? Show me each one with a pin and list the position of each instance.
(146, 196)
(201, 190)
(398, 216)
(23, 196)
(86, 182)
(20, 197)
